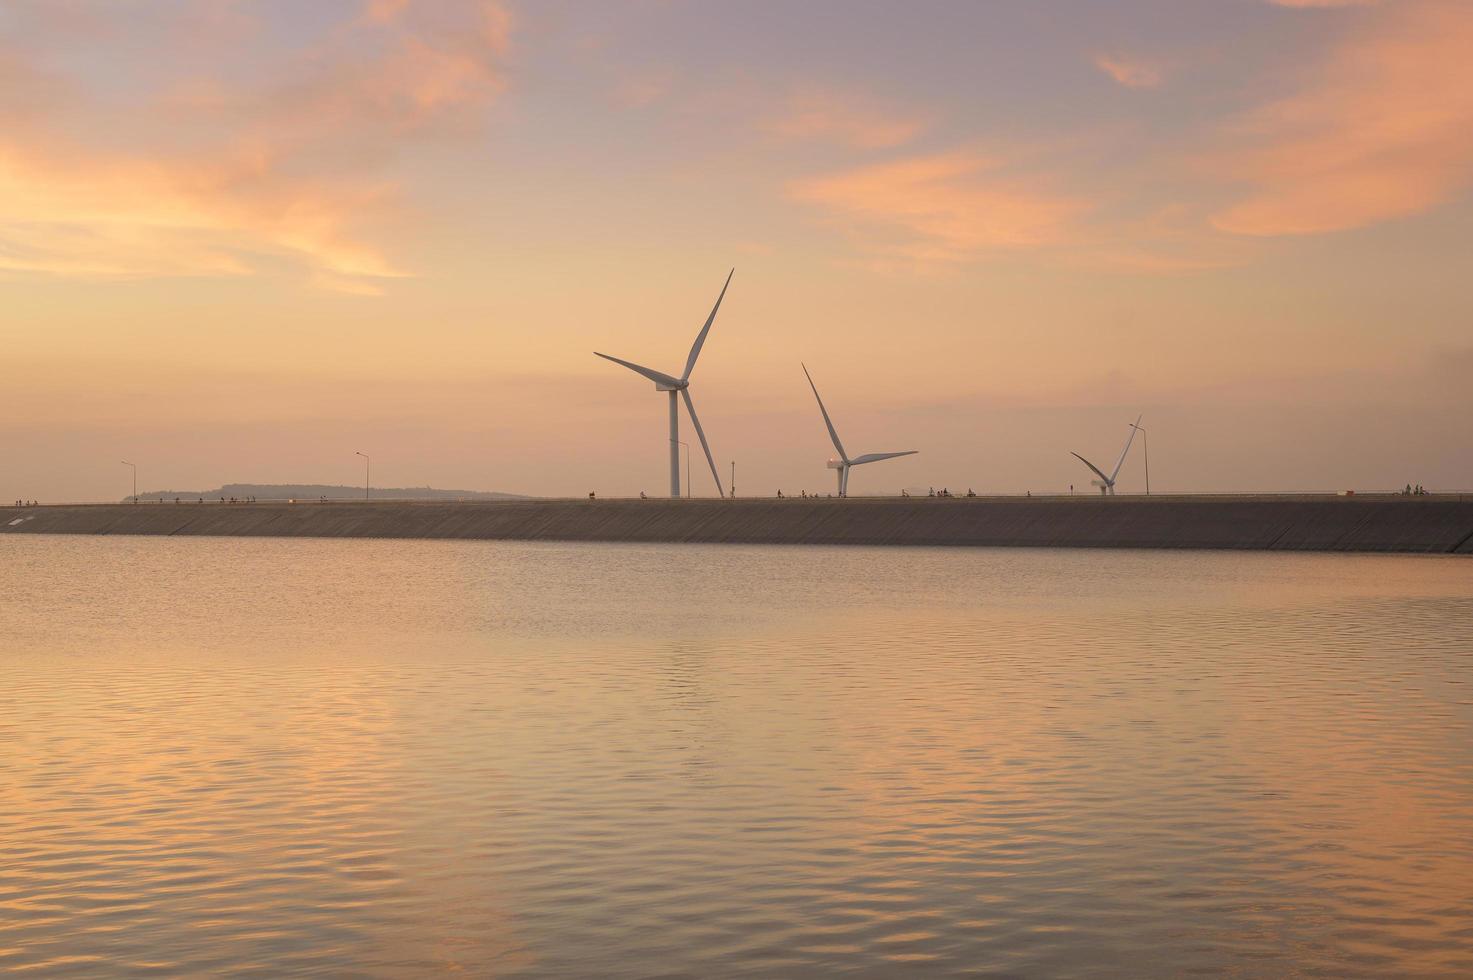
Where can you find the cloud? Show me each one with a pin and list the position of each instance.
(1129, 72)
(64, 213)
(175, 170)
(1383, 130)
(1380, 127)
(1324, 3)
(411, 65)
(927, 212)
(828, 116)
(944, 207)
(642, 90)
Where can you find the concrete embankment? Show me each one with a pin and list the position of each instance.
(1290, 523)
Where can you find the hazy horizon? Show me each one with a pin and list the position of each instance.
(254, 240)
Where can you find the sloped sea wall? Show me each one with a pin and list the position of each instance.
(1289, 523)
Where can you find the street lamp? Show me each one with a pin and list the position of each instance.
(687, 465)
(135, 478)
(1146, 445)
(733, 478)
(367, 464)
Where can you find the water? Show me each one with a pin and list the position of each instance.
(398, 758)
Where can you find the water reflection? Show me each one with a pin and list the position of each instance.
(395, 758)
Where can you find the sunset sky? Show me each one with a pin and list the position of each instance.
(240, 241)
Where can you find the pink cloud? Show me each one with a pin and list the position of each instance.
(944, 207)
(925, 213)
(1383, 130)
(642, 90)
(1129, 72)
(844, 120)
(1324, 3)
(65, 213)
(210, 172)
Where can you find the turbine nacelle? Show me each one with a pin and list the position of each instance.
(837, 464)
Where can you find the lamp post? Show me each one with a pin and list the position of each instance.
(1146, 445)
(135, 478)
(682, 442)
(733, 478)
(367, 465)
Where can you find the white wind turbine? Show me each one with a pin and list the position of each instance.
(1107, 483)
(681, 387)
(843, 463)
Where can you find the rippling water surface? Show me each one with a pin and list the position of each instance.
(397, 758)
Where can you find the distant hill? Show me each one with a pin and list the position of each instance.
(316, 491)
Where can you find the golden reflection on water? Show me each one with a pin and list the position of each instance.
(396, 758)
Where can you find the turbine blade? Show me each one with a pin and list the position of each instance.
(695, 349)
(657, 377)
(1121, 461)
(876, 457)
(690, 407)
(832, 434)
(1091, 466)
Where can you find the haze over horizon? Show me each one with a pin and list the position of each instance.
(249, 240)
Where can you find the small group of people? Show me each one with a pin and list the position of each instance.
(25, 503)
(933, 492)
(200, 500)
(1414, 491)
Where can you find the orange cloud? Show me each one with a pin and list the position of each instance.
(411, 65)
(211, 175)
(1383, 130)
(642, 90)
(945, 207)
(824, 115)
(1128, 72)
(1323, 3)
(67, 213)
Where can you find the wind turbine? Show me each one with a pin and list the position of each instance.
(843, 463)
(1107, 483)
(681, 387)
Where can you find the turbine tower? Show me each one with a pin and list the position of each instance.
(680, 388)
(843, 463)
(1107, 483)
